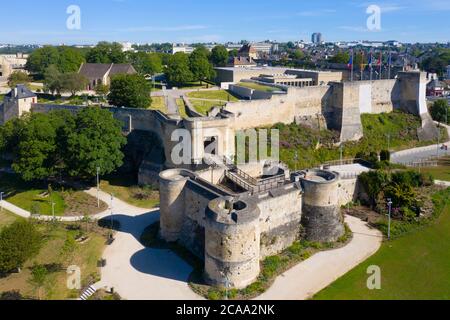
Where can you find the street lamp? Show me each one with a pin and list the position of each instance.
(1, 201)
(98, 187)
(389, 222)
(53, 210)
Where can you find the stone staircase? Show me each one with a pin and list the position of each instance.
(89, 292)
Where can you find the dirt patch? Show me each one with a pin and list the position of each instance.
(79, 203)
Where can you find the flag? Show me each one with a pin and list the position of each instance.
(380, 59)
(370, 60)
(350, 63)
(362, 60)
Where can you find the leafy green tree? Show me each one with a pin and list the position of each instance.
(178, 71)
(131, 91)
(18, 77)
(70, 59)
(297, 54)
(37, 145)
(106, 52)
(38, 278)
(146, 63)
(219, 56)
(340, 57)
(40, 59)
(19, 242)
(53, 80)
(440, 111)
(102, 90)
(233, 53)
(96, 141)
(73, 82)
(200, 66)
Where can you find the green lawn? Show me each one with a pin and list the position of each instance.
(6, 218)
(258, 87)
(57, 254)
(416, 266)
(127, 190)
(159, 103)
(438, 173)
(194, 85)
(213, 95)
(34, 197)
(204, 106)
(182, 109)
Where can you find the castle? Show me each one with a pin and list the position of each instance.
(235, 216)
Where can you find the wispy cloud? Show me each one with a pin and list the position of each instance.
(315, 13)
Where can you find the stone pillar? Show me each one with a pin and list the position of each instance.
(232, 243)
(321, 217)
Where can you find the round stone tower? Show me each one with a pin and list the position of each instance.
(321, 214)
(171, 188)
(232, 243)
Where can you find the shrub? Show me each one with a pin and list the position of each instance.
(385, 155)
(19, 242)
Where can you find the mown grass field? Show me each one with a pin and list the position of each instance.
(415, 266)
(126, 190)
(182, 109)
(205, 106)
(441, 172)
(213, 95)
(58, 253)
(159, 103)
(36, 199)
(257, 86)
(6, 218)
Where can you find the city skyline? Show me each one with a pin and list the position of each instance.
(181, 21)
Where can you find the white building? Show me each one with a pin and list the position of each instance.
(181, 47)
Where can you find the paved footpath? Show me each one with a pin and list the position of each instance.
(322, 269)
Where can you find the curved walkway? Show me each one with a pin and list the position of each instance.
(421, 153)
(322, 269)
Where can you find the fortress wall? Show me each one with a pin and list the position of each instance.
(196, 200)
(383, 96)
(279, 224)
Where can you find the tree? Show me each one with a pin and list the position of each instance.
(440, 111)
(340, 57)
(297, 54)
(70, 59)
(130, 91)
(102, 90)
(178, 71)
(73, 82)
(18, 77)
(200, 66)
(106, 52)
(40, 59)
(220, 56)
(96, 141)
(36, 148)
(146, 63)
(38, 278)
(53, 80)
(19, 242)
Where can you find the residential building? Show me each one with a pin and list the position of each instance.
(180, 47)
(316, 38)
(12, 62)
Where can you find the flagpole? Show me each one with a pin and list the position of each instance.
(381, 64)
(390, 63)
(371, 65)
(352, 65)
(362, 65)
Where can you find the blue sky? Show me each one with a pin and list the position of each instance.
(143, 21)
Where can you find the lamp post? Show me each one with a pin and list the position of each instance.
(53, 210)
(1, 201)
(98, 187)
(389, 222)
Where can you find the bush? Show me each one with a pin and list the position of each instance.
(19, 242)
(385, 155)
(11, 295)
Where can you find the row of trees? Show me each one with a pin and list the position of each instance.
(63, 144)
(69, 59)
(198, 66)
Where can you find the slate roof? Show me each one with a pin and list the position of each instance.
(99, 70)
(20, 92)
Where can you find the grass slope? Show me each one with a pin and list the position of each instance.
(415, 266)
(213, 95)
